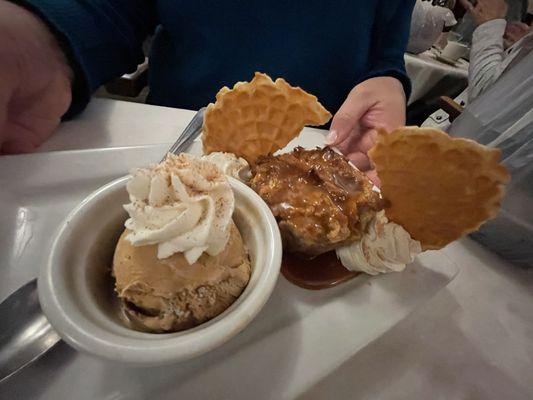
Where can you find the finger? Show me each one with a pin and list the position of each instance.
(29, 122)
(476, 9)
(373, 176)
(344, 147)
(467, 5)
(23, 137)
(347, 118)
(347, 146)
(480, 7)
(360, 160)
(3, 115)
(366, 141)
(17, 147)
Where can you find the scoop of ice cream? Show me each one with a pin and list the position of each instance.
(162, 295)
(230, 165)
(182, 205)
(385, 247)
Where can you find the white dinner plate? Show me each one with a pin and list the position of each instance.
(299, 338)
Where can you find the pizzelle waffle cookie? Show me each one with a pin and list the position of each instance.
(259, 117)
(439, 188)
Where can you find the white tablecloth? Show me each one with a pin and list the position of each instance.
(426, 72)
(474, 340)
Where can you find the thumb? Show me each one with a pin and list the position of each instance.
(348, 117)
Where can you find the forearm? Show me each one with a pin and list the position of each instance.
(486, 56)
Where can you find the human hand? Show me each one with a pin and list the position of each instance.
(35, 88)
(373, 104)
(486, 10)
(515, 30)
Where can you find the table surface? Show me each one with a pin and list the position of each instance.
(474, 340)
(426, 72)
(429, 57)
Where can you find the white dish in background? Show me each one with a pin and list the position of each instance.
(298, 338)
(446, 60)
(454, 51)
(76, 288)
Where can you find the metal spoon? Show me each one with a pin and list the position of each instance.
(25, 333)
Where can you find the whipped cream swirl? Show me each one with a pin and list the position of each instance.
(230, 165)
(183, 204)
(386, 247)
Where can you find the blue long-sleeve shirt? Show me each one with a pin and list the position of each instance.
(326, 47)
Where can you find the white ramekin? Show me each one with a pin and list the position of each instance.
(76, 288)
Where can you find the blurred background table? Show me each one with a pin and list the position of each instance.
(430, 75)
(431, 79)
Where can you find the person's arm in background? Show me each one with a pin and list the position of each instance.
(379, 100)
(55, 53)
(487, 52)
(486, 57)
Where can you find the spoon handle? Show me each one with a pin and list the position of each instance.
(191, 132)
(25, 334)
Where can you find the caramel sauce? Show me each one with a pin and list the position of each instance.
(321, 272)
(319, 200)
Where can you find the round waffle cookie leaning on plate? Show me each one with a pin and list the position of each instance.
(434, 188)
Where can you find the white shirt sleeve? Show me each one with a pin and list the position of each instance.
(486, 56)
